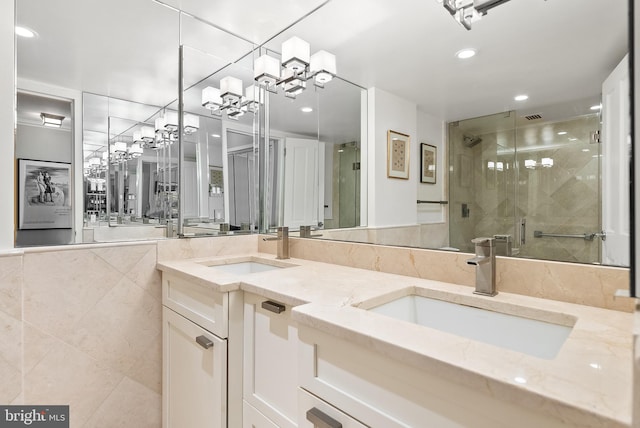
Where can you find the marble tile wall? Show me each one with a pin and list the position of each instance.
(82, 326)
(172, 249)
(569, 282)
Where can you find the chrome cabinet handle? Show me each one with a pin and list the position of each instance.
(274, 307)
(204, 341)
(319, 419)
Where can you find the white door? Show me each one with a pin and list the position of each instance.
(303, 182)
(194, 389)
(615, 166)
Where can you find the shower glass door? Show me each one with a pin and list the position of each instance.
(532, 180)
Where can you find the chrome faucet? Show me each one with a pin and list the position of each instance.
(305, 232)
(485, 263)
(283, 242)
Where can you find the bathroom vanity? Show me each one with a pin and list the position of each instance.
(257, 342)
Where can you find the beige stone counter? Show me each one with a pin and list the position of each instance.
(589, 383)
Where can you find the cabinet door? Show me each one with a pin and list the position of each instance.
(194, 375)
(315, 413)
(270, 366)
(251, 418)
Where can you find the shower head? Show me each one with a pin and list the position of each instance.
(470, 141)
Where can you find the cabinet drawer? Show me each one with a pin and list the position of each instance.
(252, 418)
(194, 380)
(205, 307)
(270, 362)
(312, 409)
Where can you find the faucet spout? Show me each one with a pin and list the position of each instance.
(283, 242)
(485, 263)
(477, 261)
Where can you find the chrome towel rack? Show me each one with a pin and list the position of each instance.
(433, 202)
(585, 236)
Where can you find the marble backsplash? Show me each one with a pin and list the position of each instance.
(568, 282)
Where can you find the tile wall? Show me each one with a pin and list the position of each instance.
(82, 325)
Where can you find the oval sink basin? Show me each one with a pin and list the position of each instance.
(245, 268)
(533, 337)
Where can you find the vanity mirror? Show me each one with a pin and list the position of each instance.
(523, 126)
(416, 86)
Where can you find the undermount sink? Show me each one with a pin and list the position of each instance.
(533, 337)
(247, 267)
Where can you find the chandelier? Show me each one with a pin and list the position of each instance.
(466, 12)
(165, 130)
(298, 67)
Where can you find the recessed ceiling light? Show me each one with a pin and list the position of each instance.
(215, 135)
(466, 53)
(562, 133)
(306, 109)
(585, 150)
(25, 32)
(574, 139)
(522, 97)
(596, 107)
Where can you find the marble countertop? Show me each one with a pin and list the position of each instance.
(589, 383)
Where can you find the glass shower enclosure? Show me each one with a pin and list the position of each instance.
(530, 182)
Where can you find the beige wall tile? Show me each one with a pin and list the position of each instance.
(60, 287)
(11, 285)
(130, 405)
(10, 358)
(67, 376)
(36, 345)
(176, 249)
(120, 329)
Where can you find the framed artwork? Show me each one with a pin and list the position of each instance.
(397, 155)
(44, 198)
(428, 163)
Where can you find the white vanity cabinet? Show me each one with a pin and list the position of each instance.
(202, 350)
(379, 391)
(270, 360)
(195, 375)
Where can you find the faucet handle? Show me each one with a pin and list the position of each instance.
(484, 242)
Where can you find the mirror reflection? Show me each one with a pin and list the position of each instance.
(502, 167)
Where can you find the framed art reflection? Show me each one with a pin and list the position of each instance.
(43, 194)
(428, 163)
(397, 155)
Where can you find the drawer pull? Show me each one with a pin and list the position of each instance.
(319, 419)
(204, 341)
(274, 307)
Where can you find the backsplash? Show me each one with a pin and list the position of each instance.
(568, 282)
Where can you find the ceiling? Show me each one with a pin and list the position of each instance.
(552, 50)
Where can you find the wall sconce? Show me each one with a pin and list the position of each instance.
(546, 162)
(52, 120)
(529, 163)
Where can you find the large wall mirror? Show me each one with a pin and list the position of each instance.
(531, 173)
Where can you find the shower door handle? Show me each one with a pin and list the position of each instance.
(523, 230)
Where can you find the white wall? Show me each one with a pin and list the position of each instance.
(392, 201)
(432, 130)
(7, 117)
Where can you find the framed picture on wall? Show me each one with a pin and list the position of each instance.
(428, 163)
(44, 198)
(397, 155)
